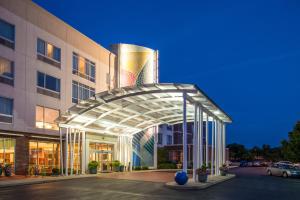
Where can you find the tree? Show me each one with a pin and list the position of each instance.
(237, 151)
(291, 148)
(255, 152)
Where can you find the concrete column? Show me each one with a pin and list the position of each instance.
(212, 147)
(224, 143)
(61, 152)
(83, 153)
(201, 135)
(155, 147)
(215, 149)
(184, 131)
(66, 152)
(195, 144)
(78, 152)
(206, 140)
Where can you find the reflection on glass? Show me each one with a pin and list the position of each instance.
(7, 151)
(45, 118)
(102, 153)
(44, 155)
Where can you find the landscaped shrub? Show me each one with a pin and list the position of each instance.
(166, 166)
(137, 168)
(145, 167)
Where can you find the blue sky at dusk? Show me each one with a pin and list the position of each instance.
(244, 55)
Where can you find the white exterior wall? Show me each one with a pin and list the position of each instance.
(26, 66)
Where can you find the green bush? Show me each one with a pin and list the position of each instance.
(55, 171)
(93, 165)
(166, 166)
(116, 163)
(137, 168)
(145, 167)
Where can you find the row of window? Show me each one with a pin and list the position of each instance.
(48, 53)
(44, 117)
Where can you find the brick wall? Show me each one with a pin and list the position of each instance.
(22, 155)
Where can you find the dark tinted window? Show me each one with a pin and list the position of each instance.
(7, 31)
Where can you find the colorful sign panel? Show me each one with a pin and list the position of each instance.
(137, 65)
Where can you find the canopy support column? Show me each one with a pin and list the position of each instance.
(206, 139)
(83, 159)
(61, 151)
(200, 136)
(195, 143)
(78, 152)
(66, 152)
(184, 131)
(224, 143)
(215, 149)
(212, 147)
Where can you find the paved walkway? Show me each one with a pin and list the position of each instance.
(27, 180)
(152, 176)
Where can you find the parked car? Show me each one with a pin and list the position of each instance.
(257, 163)
(285, 162)
(284, 170)
(244, 163)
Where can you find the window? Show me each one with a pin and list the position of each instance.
(48, 53)
(7, 34)
(6, 110)
(169, 139)
(48, 85)
(83, 67)
(45, 118)
(160, 138)
(6, 71)
(7, 151)
(81, 92)
(44, 156)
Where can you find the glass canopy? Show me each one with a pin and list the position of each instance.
(129, 110)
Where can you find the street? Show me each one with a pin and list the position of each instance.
(250, 183)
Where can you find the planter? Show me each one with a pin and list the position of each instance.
(93, 170)
(122, 168)
(202, 178)
(1, 170)
(7, 171)
(223, 172)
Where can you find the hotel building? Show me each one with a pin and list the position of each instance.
(66, 100)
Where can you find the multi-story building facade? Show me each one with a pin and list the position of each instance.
(48, 70)
(45, 67)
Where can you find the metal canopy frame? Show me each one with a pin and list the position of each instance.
(129, 110)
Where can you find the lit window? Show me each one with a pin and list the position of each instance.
(83, 67)
(45, 118)
(48, 50)
(6, 71)
(48, 82)
(6, 110)
(44, 156)
(81, 91)
(7, 34)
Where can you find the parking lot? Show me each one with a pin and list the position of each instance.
(250, 183)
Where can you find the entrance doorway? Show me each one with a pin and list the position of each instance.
(103, 154)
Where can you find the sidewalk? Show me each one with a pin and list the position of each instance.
(25, 180)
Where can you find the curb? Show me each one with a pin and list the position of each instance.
(198, 186)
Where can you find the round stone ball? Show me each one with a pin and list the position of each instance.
(181, 177)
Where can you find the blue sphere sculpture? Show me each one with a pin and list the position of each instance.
(181, 177)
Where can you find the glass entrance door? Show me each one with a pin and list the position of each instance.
(103, 154)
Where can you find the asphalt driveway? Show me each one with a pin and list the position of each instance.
(250, 183)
